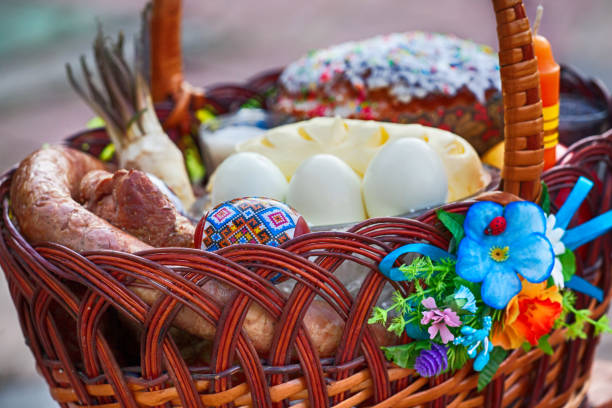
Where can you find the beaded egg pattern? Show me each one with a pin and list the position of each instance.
(248, 220)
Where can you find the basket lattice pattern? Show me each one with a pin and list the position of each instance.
(83, 365)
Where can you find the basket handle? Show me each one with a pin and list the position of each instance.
(166, 57)
(524, 152)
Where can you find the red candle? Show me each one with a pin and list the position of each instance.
(550, 76)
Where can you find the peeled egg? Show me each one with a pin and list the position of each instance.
(405, 175)
(325, 190)
(248, 174)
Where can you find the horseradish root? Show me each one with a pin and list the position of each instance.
(124, 102)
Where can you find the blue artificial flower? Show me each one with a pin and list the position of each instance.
(473, 339)
(468, 296)
(502, 243)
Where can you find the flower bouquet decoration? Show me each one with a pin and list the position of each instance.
(507, 280)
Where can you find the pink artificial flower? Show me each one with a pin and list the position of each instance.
(439, 320)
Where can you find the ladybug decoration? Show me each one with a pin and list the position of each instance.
(496, 226)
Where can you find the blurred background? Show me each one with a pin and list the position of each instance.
(229, 41)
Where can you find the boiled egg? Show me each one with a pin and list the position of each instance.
(248, 174)
(326, 191)
(405, 175)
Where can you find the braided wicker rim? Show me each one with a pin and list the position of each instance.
(358, 373)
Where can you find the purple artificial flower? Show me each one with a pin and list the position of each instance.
(431, 362)
(439, 319)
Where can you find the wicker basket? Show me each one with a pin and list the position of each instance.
(64, 298)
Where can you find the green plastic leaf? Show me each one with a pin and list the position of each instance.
(96, 122)
(457, 357)
(108, 152)
(581, 316)
(397, 325)
(400, 355)
(453, 222)
(400, 303)
(421, 267)
(569, 299)
(602, 325)
(568, 262)
(576, 329)
(526, 347)
(453, 246)
(495, 359)
(497, 315)
(404, 355)
(545, 199)
(379, 315)
(545, 346)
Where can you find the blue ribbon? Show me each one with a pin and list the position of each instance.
(583, 286)
(588, 231)
(573, 202)
(581, 234)
(386, 265)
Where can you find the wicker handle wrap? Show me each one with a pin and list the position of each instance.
(524, 152)
(524, 156)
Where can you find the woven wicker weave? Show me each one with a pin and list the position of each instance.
(66, 300)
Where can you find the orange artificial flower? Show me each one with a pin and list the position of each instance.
(529, 315)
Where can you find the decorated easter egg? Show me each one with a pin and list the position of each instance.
(325, 190)
(405, 175)
(248, 220)
(248, 174)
